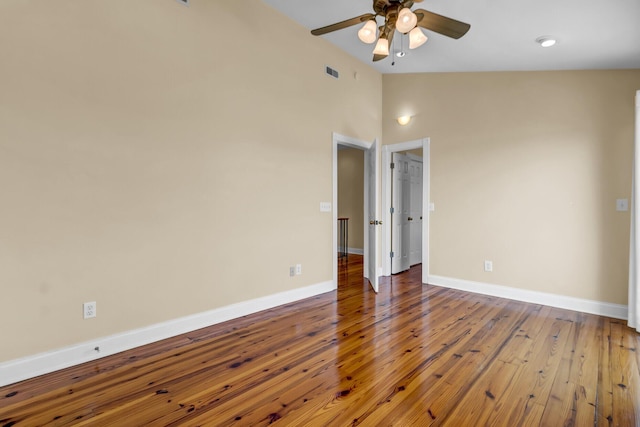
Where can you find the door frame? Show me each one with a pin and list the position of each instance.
(338, 139)
(413, 157)
(387, 150)
(399, 222)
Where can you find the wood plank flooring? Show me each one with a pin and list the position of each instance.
(413, 355)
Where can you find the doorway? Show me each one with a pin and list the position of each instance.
(406, 210)
(350, 202)
(372, 224)
(387, 186)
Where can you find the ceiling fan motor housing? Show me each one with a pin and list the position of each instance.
(381, 7)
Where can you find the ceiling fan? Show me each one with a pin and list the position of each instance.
(398, 16)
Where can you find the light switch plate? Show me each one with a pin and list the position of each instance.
(325, 206)
(432, 207)
(622, 205)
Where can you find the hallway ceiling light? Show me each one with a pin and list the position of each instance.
(403, 120)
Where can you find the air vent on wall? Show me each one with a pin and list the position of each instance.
(330, 71)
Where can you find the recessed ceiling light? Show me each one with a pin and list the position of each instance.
(546, 41)
(400, 54)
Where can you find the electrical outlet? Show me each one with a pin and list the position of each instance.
(488, 266)
(622, 205)
(89, 309)
(292, 271)
(298, 269)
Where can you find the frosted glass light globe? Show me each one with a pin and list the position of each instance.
(367, 34)
(406, 20)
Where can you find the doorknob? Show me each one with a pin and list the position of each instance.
(372, 222)
(410, 219)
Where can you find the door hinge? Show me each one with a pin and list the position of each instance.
(393, 165)
(391, 210)
(391, 254)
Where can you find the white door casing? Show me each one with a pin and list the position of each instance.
(387, 151)
(415, 215)
(371, 203)
(401, 205)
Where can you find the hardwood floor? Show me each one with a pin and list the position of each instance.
(412, 355)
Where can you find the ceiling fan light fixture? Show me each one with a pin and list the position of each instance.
(417, 38)
(367, 34)
(382, 47)
(406, 20)
(397, 15)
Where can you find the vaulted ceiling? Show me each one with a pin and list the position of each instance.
(591, 34)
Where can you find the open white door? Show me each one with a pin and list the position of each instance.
(401, 216)
(387, 185)
(371, 215)
(372, 224)
(415, 214)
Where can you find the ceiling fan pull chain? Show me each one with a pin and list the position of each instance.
(393, 49)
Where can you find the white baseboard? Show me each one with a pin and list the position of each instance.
(617, 311)
(355, 251)
(32, 366)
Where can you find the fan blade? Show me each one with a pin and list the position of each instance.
(389, 31)
(441, 24)
(342, 24)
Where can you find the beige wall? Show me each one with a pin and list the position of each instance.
(162, 160)
(525, 171)
(165, 160)
(351, 193)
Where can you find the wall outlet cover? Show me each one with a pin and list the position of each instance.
(89, 310)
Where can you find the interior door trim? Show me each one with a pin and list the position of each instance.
(387, 150)
(338, 139)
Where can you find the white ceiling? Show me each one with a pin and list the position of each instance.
(592, 34)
